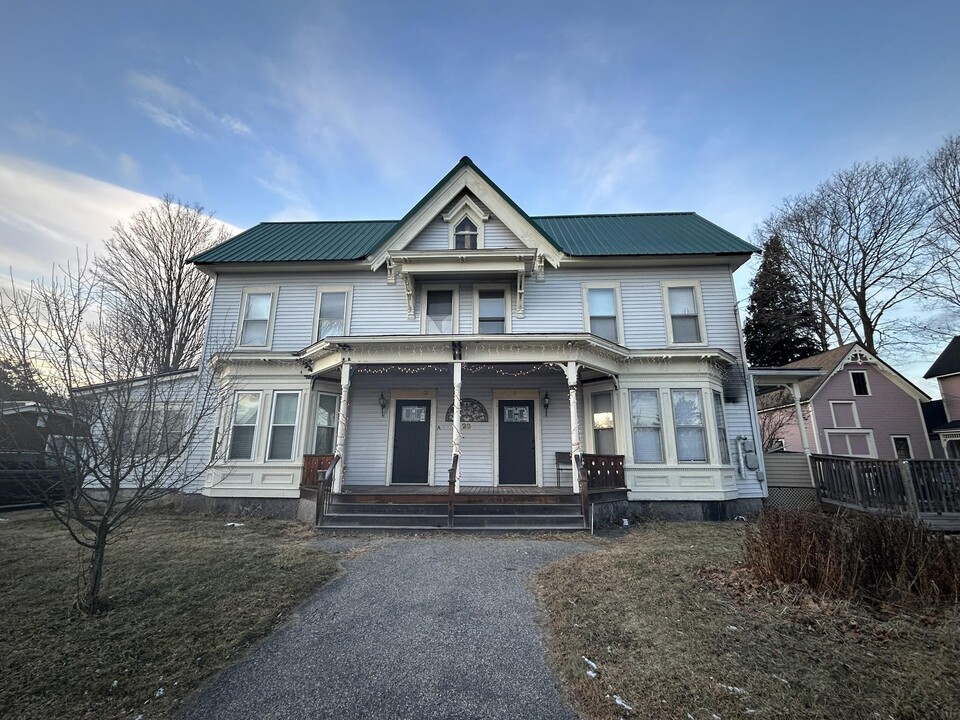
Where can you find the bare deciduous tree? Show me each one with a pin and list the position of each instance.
(157, 303)
(133, 441)
(943, 183)
(860, 246)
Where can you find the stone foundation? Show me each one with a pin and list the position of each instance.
(277, 508)
(695, 510)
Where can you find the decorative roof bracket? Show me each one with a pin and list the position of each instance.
(538, 268)
(520, 276)
(391, 271)
(408, 286)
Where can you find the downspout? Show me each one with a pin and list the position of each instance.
(751, 401)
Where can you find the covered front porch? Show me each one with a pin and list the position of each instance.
(500, 411)
(490, 423)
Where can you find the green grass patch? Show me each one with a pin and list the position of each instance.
(678, 629)
(187, 594)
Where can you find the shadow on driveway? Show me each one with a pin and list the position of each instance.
(416, 628)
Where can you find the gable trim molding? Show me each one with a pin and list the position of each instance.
(466, 178)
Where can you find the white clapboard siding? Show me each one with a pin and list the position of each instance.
(367, 437)
(555, 305)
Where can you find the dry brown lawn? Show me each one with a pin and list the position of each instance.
(188, 596)
(677, 631)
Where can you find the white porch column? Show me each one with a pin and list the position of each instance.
(804, 440)
(575, 449)
(457, 426)
(342, 425)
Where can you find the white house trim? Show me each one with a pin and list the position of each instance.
(466, 208)
(467, 178)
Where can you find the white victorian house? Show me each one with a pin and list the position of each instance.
(470, 350)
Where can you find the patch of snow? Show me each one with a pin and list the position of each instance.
(619, 701)
(777, 677)
(591, 674)
(591, 663)
(231, 524)
(158, 693)
(732, 628)
(115, 683)
(740, 518)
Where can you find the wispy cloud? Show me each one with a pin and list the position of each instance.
(179, 110)
(37, 129)
(32, 238)
(128, 167)
(350, 103)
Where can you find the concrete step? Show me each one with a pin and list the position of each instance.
(365, 508)
(384, 520)
(517, 509)
(571, 520)
(414, 529)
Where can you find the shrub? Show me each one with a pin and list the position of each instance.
(870, 557)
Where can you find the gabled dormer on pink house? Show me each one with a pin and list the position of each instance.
(859, 407)
(946, 369)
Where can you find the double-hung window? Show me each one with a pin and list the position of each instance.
(685, 322)
(646, 424)
(440, 312)
(255, 324)
(491, 312)
(283, 426)
(689, 426)
(243, 433)
(602, 313)
(326, 424)
(721, 421)
(332, 320)
(604, 431)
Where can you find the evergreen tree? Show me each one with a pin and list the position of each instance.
(781, 326)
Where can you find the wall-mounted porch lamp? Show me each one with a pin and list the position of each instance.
(383, 404)
(546, 403)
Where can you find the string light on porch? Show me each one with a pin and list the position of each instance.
(499, 370)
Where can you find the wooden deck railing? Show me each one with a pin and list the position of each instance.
(928, 490)
(313, 467)
(325, 490)
(603, 472)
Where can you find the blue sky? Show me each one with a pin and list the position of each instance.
(291, 110)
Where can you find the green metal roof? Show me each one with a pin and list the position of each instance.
(640, 234)
(301, 242)
(577, 235)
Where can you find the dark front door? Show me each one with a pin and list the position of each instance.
(411, 442)
(518, 443)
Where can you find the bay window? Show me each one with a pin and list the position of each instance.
(645, 421)
(689, 426)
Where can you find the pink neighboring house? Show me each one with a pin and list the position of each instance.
(861, 407)
(946, 425)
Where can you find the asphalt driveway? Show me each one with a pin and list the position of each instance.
(416, 628)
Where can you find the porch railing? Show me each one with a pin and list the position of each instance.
(313, 467)
(325, 490)
(603, 472)
(452, 490)
(924, 489)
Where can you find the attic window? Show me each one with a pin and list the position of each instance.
(465, 235)
(465, 220)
